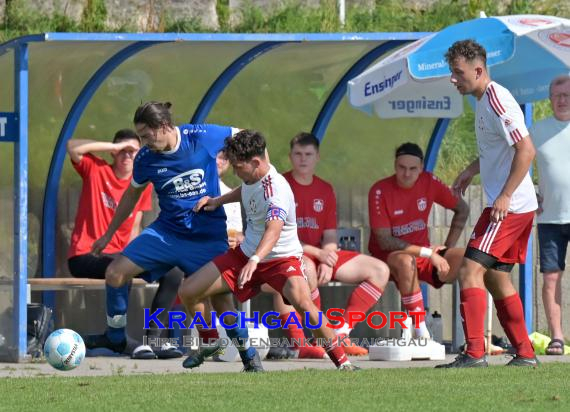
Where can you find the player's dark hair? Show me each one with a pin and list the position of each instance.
(305, 139)
(411, 149)
(470, 50)
(244, 146)
(126, 134)
(154, 114)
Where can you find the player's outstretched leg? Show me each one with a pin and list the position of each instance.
(371, 275)
(117, 276)
(207, 282)
(297, 292)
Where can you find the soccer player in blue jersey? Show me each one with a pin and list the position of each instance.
(180, 162)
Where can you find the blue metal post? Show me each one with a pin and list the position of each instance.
(333, 100)
(430, 161)
(220, 84)
(526, 269)
(56, 165)
(21, 201)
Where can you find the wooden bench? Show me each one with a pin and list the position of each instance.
(67, 284)
(45, 284)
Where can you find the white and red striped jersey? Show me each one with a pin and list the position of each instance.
(499, 124)
(270, 198)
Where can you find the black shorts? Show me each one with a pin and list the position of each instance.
(89, 266)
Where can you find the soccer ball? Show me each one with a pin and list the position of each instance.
(64, 349)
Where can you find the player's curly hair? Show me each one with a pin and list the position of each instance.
(470, 50)
(244, 146)
(154, 114)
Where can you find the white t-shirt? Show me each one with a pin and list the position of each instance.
(499, 124)
(233, 211)
(552, 140)
(270, 198)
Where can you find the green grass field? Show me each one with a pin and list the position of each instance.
(423, 389)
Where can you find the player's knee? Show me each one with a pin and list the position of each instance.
(304, 304)
(114, 277)
(380, 273)
(403, 265)
(188, 294)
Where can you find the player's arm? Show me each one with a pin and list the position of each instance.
(137, 225)
(266, 244)
(126, 206)
(327, 253)
(396, 245)
(212, 203)
(524, 154)
(460, 215)
(462, 181)
(78, 147)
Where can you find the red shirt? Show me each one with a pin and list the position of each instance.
(100, 196)
(315, 209)
(405, 211)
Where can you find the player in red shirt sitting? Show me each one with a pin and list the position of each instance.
(399, 208)
(324, 262)
(103, 186)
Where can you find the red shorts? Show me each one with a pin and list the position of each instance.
(506, 240)
(343, 257)
(274, 272)
(426, 272)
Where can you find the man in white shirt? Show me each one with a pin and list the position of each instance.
(499, 240)
(271, 252)
(552, 139)
(234, 221)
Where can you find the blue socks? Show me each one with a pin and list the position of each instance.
(117, 305)
(241, 337)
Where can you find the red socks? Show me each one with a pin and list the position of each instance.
(473, 309)
(511, 315)
(336, 353)
(414, 302)
(316, 298)
(208, 336)
(362, 299)
(295, 332)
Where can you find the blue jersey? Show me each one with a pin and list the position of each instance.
(182, 176)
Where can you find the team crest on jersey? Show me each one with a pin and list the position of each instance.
(422, 204)
(318, 205)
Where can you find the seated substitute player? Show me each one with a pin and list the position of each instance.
(180, 162)
(315, 203)
(399, 208)
(103, 186)
(271, 251)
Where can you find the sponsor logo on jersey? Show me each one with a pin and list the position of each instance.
(187, 184)
(108, 201)
(422, 204)
(414, 226)
(307, 223)
(318, 205)
(162, 170)
(290, 269)
(398, 212)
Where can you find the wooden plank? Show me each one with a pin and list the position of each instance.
(42, 284)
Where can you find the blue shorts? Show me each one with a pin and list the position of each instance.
(157, 250)
(553, 241)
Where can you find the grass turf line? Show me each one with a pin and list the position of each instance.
(425, 389)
